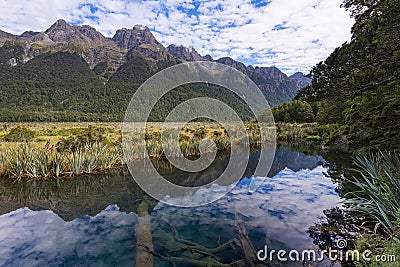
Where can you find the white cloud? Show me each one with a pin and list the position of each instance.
(311, 29)
(41, 238)
(283, 207)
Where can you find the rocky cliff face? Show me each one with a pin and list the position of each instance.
(140, 39)
(267, 78)
(234, 64)
(185, 53)
(300, 79)
(62, 32)
(61, 36)
(272, 73)
(6, 35)
(133, 38)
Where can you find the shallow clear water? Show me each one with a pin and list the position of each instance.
(91, 221)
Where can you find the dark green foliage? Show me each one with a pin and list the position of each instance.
(377, 203)
(89, 136)
(10, 51)
(49, 82)
(100, 68)
(193, 90)
(358, 85)
(19, 134)
(295, 111)
(378, 246)
(61, 87)
(331, 133)
(135, 71)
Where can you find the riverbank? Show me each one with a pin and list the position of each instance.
(69, 150)
(54, 150)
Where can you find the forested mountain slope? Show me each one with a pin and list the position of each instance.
(74, 73)
(358, 85)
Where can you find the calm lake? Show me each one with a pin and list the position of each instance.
(91, 221)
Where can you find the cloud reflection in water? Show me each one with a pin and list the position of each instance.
(278, 213)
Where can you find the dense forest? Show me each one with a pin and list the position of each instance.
(358, 85)
(60, 86)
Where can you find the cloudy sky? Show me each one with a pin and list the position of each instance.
(292, 35)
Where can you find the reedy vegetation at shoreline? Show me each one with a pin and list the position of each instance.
(45, 150)
(25, 153)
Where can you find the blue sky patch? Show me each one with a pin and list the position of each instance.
(190, 11)
(93, 9)
(281, 26)
(260, 3)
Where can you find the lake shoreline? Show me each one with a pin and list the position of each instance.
(65, 150)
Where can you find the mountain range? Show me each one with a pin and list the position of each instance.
(71, 72)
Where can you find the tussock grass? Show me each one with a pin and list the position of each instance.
(72, 149)
(27, 162)
(377, 199)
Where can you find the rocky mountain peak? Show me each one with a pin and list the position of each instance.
(106, 55)
(59, 25)
(140, 39)
(272, 73)
(184, 53)
(60, 31)
(139, 27)
(232, 63)
(28, 34)
(133, 38)
(208, 58)
(91, 33)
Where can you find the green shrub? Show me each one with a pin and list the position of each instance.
(200, 133)
(378, 246)
(19, 134)
(295, 111)
(90, 135)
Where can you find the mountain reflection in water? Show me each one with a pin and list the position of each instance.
(91, 220)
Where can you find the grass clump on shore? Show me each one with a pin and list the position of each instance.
(27, 162)
(377, 204)
(377, 199)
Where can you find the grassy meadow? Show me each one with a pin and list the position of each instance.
(48, 150)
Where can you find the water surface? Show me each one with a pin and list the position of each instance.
(91, 221)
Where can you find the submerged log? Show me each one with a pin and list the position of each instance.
(194, 262)
(193, 246)
(246, 244)
(200, 255)
(144, 243)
